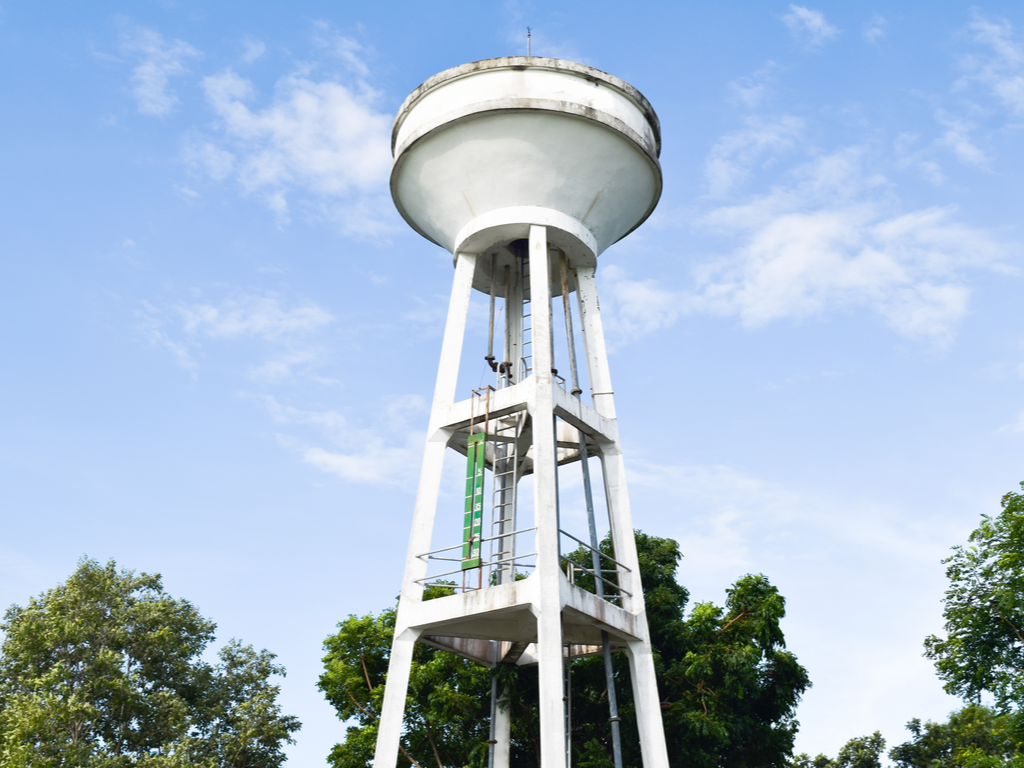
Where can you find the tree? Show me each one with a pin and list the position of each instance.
(984, 611)
(105, 671)
(729, 688)
(974, 737)
(859, 752)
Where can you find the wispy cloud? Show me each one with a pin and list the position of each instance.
(957, 138)
(1015, 426)
(875, 29)
(385, 451)
(149, 324)
(349, 51)
(733, 155)
(323, 141)
(752, 90)
(183, 328)
(253, 49)
(834, 236)
(635, 308)
(252, 315)
(1001, 67)
(733, 517)
(158, 62)
(830, 236)
(809, 26)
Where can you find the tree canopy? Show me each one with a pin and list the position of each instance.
(104, 671)
(973, 737)
(983, 650)
(729, 689)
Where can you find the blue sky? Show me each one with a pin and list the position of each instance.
(220, 339)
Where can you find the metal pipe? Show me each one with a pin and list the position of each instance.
(568, 707)
(506, 362)
(568, 325)
(490, 325)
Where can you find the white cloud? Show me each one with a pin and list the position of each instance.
(150, 325)
(835, 237)
(634, 308)
(253, 315)
(809, 26)
(322, 138)
(957, 138)
(253, 49)
(345, 48)
(733, 517)
(932, 172)
(1015, 426)
(875, 29)
(831, 235)
(752, 90)
(206, 158)
(185, 191)
(733, 156)
(183, 328)
(159, 62)
(1002, 68)
(386, 451)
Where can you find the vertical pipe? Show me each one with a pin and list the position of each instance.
(508, 326)
(493, 738)
(595, 559)
(568, 707)
(490, 324)
(568, 325)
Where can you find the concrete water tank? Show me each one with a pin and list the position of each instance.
(483, 150)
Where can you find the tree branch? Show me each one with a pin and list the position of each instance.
(739, 616)
(370, 715)
(1016, 631)
(362, 660)
(434, 747)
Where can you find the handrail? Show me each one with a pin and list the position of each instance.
(482, 540)
(577, 567)
(509, 561)
(626, 568)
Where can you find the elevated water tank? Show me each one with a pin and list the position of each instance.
(483, 150)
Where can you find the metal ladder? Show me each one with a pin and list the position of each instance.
(505, 477)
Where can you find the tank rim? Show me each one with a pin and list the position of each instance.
(528, 62)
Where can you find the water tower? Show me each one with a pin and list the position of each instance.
(525, 169)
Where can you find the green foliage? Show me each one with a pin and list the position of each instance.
(729, 688)
(103, 671)
(984, 610)
(730, 685)
(448, 703)
(974, 737)
(860, 752)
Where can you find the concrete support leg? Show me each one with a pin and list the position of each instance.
(549, 609)
(390, 730)
(648, 704)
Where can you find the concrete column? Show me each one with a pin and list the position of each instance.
(397, 687)
(437, 439)
(390, 730)
(594, 347)
(648, 704)
(620, 520)
(548, 572)
(454, 333)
